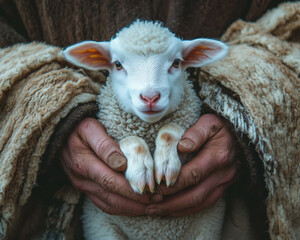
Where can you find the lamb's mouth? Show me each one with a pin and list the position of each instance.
(152, 112)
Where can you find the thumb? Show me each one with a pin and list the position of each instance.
(207, 126)
(94, 135)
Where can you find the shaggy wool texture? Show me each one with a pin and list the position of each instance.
(36, 92)
(144, 38)
(256, 88)
(205, 225)
(262, 70)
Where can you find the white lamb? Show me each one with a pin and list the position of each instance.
(146, 105)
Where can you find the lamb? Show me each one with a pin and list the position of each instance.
(146, 105)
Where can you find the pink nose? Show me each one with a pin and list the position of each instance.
(150, 100)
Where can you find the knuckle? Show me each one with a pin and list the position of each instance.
(105, 197)
(197, 200)
(215, 124)
(106, 208)
(112, 205)
(104, 202)
(223, 159)
(214, 120)
(212, 124)
(196, 176)
(91, 176)
(223, 153)
(99, 203)
(202, 133)
(85, 124)
(116, 209)
(112, 210)
(103, 145)
(76, 167)
(108, 182)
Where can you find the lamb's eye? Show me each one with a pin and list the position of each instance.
(176, 63)
(118, 65)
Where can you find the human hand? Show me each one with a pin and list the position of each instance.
(91, 160)
(202, 180)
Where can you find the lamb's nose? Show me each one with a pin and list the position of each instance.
(150, 100)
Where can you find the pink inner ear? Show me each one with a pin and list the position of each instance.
(90, 56)
(201, 53)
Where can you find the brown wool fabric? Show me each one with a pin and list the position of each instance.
(263, 69)
(62, 23)
(36, 92)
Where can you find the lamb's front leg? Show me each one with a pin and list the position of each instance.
(166, 159)
(139, 163)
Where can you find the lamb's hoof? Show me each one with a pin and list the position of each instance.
(166, 160)
(167, 171)
(139, 171)
(137, 188)
(141, 183)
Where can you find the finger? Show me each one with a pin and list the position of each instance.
(207, 126)
(88, 186)
(117, 205)
(191, 173)
(205, 163)
(209, 201)
(94, 134)
(94, 174)
(192, 197)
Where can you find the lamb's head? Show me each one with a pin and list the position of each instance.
(147, 66)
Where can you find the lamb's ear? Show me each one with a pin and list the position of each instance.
(202, 51)
(91, 55)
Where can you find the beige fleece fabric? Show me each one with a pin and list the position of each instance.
(262, 70)
(36, 92)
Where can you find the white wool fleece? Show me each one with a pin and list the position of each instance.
(144, 37)
(119, 125)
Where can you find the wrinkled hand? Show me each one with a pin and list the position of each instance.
(91, 159)
(202, 180)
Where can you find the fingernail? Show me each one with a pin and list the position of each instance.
(117, 161)
(186, 144)
(152, 211)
